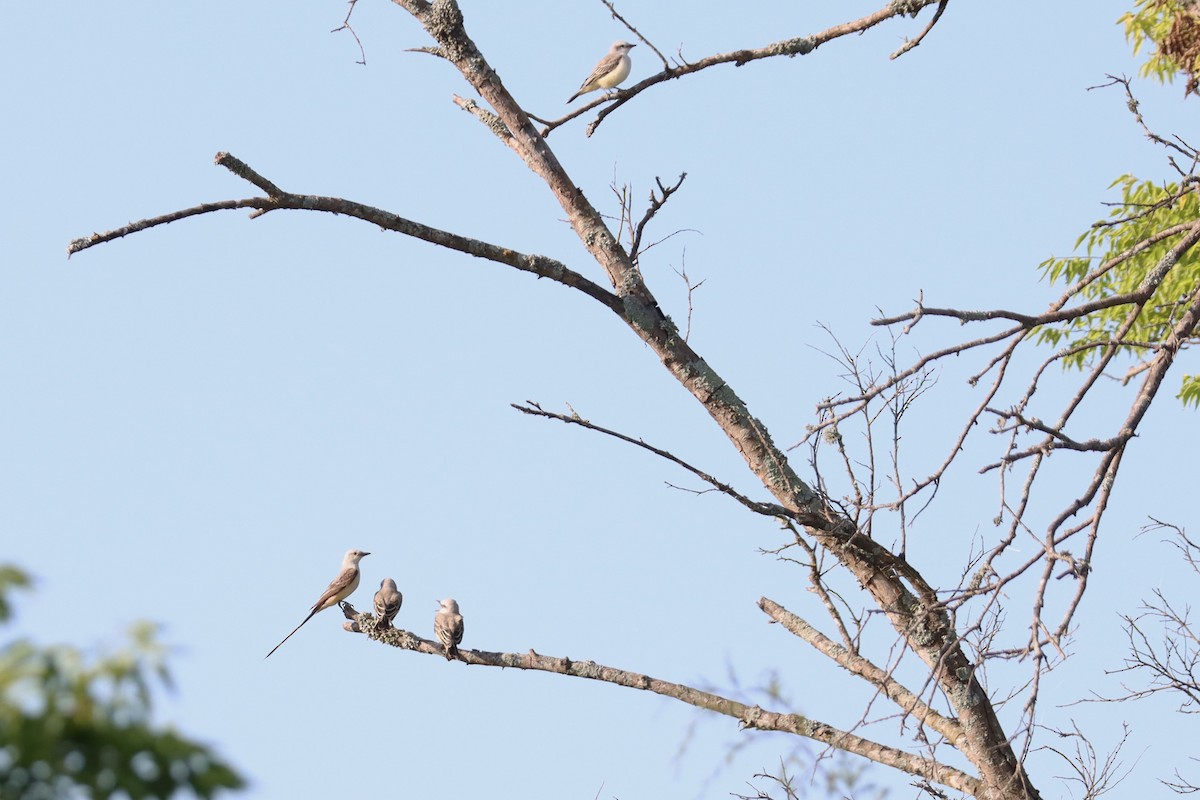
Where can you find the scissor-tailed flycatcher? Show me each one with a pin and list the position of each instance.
(387, 602)
(339, 589)
(611, 70)
(448, 625)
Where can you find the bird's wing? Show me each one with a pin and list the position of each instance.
(606, 65)
(387, 602)
(339, 588)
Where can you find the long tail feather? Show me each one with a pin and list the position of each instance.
(311, 614)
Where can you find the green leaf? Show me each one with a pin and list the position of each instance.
(1120, 252)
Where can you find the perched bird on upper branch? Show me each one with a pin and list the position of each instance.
(611, 70)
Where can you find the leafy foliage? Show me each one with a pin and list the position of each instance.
(10, 578)
(1174, 27)
(72, 724)
(1118, 255)
(1133, 247)
(1151, 21)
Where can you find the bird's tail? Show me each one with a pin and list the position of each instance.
(298, 627)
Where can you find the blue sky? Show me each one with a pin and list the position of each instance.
(200, 419)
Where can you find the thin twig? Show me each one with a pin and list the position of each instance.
(346, 26)
(910, 44)
(637, 33)
(656, 203)
(766, 509)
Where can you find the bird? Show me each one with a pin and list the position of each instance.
(339, 589)
(448, 625)
(387, 602)
(611, 70)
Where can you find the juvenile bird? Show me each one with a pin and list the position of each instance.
(448, 625)
(387, 602)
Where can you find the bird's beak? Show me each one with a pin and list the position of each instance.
(366, 554)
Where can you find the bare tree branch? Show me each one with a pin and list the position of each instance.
(910, 44)
(798, 46)
(865, 669)
(766, 509)
(656, 203)
(1094, 775)
(541, 266)
(748, 717)
(346, 26)
(612, 9)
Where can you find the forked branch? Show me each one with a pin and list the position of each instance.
(748, 717)
(278, 199)
(790, 48)
(897, 589)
